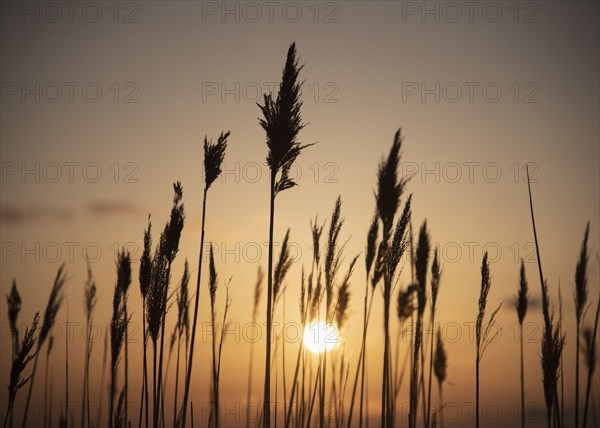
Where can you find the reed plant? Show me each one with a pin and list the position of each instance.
(52, 307)
(580, 297)
(214, 153)
(485, 331)
(281, 122)
(521, 306)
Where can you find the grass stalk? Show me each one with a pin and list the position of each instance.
(53, 306)
(213, 158)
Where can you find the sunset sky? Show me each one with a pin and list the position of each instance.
(105, 105)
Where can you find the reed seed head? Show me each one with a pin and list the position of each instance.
(389, 186)
(183, 303)
(258, 288)
(521, 300)
(54, 302)
(213, 277)
(440, 359)
(371, 244)
(343, 302)
(421, 265)
(213, 158)
(333, 251)
(283, 265)
(13, 300)
(399, 242)
(316, 232)
(436, 274)
(282, 122)
(23, 357)
(172, 232)
(588, 350)
(145, 275)
(89, 294)
(406, 305)
(581, 288)
(486, 284)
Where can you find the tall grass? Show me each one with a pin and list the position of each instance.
(182, 328)
(46, 403)
(281, 122)
(257, 294)
(145, 280)
(580, 297)
(13, 300)
(156, 305)
(421, 266)
(118, 328)
(168, 249)
(331, 266)
(592, 353)
(308, 308)
(360, 367)
(553, 339)
(440, 365)
(23, 357)
(52, 307)
(213, 158)
(89, 303)
(435, 288)
(521, 305)
(484, 334)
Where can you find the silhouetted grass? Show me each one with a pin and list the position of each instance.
(22, 359)
(213, 158)
(54, 302)
(440, 365)
(521, 305)
(483, 330)
(580, 296)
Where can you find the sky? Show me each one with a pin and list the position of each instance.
(105, 105)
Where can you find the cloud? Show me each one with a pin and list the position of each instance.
(14, 215)
(112, 208)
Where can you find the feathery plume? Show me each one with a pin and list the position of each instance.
(13, 300)
(281, 269)
(213, 157)
(22, 359)
(282, 122)
(521, 299)
(371, 244)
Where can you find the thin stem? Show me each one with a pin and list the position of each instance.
(522, 378)
(427, 423)
(162, 342)
(176, 379)
(590, 372)
(35, 361)
(188, 374)
(577, 373)
(267, 394)
(361, 360)
(477, 390)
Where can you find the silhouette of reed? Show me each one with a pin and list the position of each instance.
(53, 306)
(281, 122)
(214, 153)
(580, 297)
(553, 339)
(484, 334)
(521, 306)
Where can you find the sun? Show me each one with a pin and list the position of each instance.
(320, 336)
